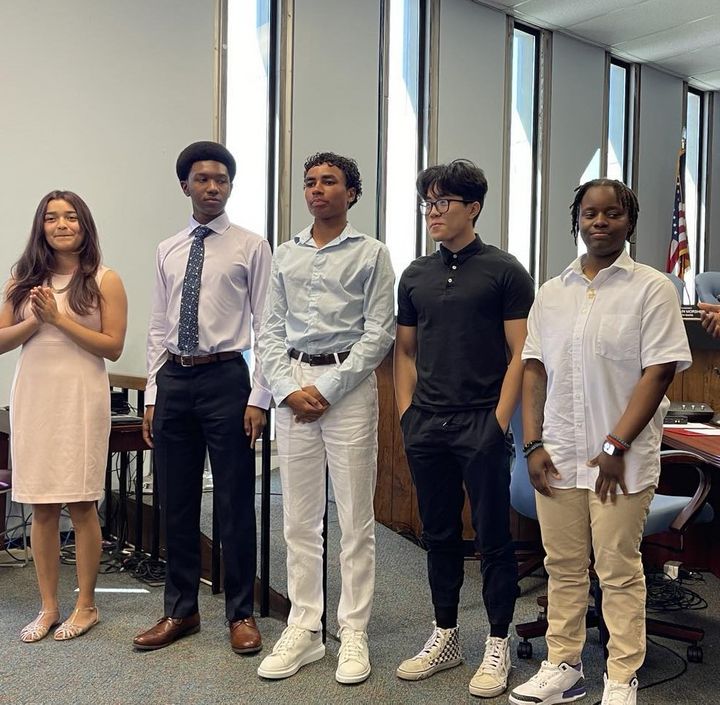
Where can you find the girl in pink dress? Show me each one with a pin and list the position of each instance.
(69, 313)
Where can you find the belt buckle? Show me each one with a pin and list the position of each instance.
(186, 361)
(314, 360)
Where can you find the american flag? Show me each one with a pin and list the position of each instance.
(679, 252)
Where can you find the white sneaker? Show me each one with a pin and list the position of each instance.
(353, 657)
(492, 676)
(550, 685)
(619, 693)
(295, 648)
(441, 650)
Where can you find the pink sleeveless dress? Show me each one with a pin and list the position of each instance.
(59, 413)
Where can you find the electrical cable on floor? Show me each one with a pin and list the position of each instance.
(665, 594)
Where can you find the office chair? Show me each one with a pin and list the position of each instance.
(5, 489)
(667, 513)
(679, 284)
(707, 287)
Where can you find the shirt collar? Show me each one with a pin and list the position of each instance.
(468, 251)
(623, 262)
(217, 225)
(304, 237)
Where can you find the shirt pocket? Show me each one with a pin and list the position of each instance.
(618, 337)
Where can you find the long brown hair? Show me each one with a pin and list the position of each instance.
(37, 262)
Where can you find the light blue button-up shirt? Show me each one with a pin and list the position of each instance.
(332, 299)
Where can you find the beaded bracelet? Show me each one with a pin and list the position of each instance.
(532, 446)
(618, 441)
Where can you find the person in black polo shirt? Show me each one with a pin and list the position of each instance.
(461, 327)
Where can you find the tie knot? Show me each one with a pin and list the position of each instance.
(201, 232)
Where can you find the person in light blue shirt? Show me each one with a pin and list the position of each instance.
(328, 323)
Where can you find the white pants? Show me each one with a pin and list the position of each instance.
(345, 437)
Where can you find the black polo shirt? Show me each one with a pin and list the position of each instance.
(459, 302)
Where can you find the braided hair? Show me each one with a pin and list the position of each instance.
(625, 195)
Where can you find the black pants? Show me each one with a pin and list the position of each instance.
(201, 408)
(443, 451)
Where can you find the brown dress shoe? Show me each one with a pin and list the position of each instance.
(167, 630)
(245, 637)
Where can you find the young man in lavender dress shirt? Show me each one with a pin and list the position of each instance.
(199, 397)
(329, 322)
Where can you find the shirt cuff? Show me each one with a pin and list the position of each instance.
(150, 395)
(283, 389)
(260, 397)
(329, 388)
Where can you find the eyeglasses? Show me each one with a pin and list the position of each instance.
(442, 205)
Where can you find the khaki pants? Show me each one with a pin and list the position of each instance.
(572, 521)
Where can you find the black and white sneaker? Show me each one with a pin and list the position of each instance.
(441, 651)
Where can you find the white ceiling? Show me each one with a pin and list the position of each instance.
(678, 36)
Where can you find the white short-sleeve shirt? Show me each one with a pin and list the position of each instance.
(594, 339)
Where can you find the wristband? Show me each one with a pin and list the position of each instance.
(532, 446)
(618, 442)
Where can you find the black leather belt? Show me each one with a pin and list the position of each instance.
(320, 359)
(192, 360)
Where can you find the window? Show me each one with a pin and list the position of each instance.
(522, 193)
(247, 110)
(618, 112)
(693, 181)
(404, 112)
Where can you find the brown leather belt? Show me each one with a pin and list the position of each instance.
(192, 360)
(320, 359)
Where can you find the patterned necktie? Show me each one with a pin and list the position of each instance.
(188, 326)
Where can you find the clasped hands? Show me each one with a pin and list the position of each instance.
(611, 474)
(43, 304)
(307, 404)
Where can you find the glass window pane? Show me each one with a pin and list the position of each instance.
(692, 180)
(246, 116)
(616, 123)
(402, 133)
(247, 109)
(522, 140)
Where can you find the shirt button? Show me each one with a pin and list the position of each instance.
(454, 267)
(450, 280)
(454, 256)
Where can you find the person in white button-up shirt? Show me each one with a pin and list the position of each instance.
(605, 339)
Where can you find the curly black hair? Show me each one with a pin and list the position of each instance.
(347, 165)
(624, 194)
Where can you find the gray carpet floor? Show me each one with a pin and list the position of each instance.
(101, 668)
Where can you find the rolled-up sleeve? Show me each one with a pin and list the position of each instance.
(532, 350)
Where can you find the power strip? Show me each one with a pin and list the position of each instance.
(672, 569)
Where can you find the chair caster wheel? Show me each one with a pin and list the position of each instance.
(524, 650)
(695, 654)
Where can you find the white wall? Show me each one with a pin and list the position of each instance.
(335, 96)
(99, 98)
(471, 98)
(660, 132)
(576, 119)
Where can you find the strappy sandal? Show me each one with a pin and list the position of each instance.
(37, 629)
(69, 630)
